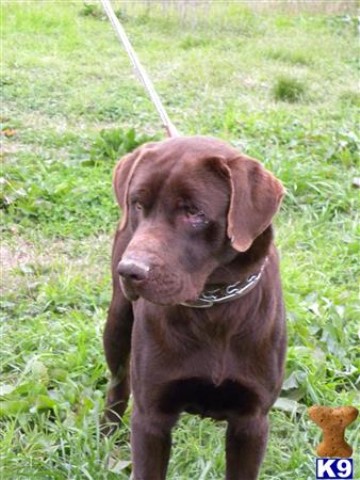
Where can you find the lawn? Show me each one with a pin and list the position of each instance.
(283, 87)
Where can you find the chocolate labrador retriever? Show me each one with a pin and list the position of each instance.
(197, 297)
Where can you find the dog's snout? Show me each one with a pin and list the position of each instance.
(133, 270)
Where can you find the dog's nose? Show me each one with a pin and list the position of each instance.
(133, 270)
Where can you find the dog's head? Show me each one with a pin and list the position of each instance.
(190, 204)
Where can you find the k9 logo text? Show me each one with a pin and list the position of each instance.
(334, 468)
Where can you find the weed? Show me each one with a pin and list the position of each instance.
(92, 10)
(114, 143)
(95, 11)
(289, 89)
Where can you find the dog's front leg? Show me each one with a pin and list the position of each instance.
(117, 343)
(150, 444)
(246, 440)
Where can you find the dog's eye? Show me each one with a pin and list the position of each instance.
(196, 217)
(137, 205)
(192, 211)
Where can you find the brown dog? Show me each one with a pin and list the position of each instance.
(197, 295)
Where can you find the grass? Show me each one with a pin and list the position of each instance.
(289, 89)
(70, 106)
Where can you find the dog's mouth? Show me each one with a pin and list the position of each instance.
(129, 290)
(150, 291)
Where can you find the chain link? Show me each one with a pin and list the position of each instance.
(232, 292)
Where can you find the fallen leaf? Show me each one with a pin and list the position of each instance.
(9, 132)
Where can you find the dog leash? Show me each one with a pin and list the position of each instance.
(139, 69)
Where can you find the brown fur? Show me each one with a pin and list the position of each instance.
(196, 213)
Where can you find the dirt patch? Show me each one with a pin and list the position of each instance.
(12, 257)
(92, 257)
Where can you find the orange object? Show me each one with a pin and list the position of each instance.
(333, 422)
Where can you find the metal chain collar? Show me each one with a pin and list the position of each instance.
(228, 293)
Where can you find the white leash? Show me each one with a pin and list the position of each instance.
(171, 130)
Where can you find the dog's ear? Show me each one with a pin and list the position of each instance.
(123, 173)
(121, 177)
(254, 199)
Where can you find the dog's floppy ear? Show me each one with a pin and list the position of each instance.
(121, 176)
(123, 173)
(255, 197)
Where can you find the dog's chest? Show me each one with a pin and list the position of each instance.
(211, 382)
(203, 364)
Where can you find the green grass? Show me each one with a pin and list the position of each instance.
(289, 89)
(70, 106)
